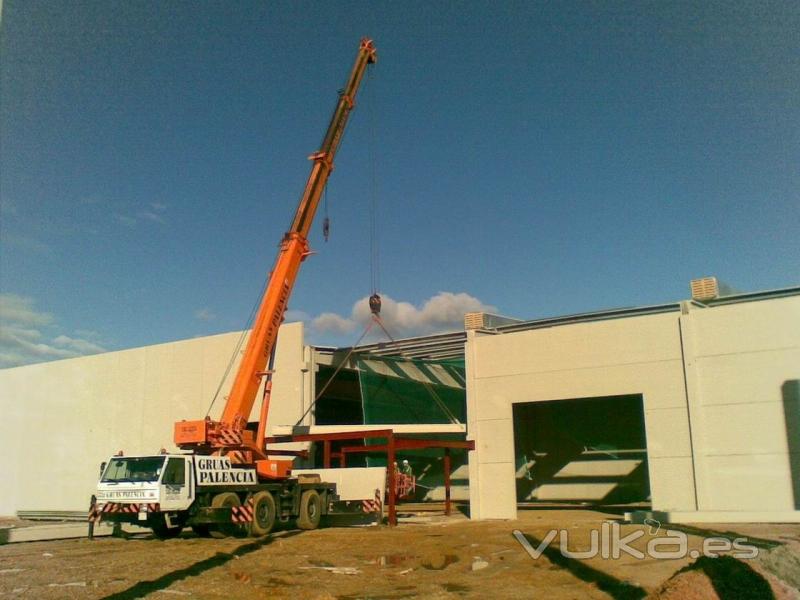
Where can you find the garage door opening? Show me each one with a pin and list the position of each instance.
(582, 450)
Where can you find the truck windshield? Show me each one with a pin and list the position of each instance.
(130, 469)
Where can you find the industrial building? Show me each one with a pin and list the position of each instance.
(690, 408)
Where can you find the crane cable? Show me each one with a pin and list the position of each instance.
(341, 365)
(376, 319)
(428, 387)
(374, 300)
(326, 224)
(237, 348)
(374, 242)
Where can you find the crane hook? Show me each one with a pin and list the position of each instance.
(326, 228)
(375, 304)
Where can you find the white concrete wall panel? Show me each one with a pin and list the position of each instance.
(722, 381)
(493, 437)
(744, 356)
(749, 482)
(748, 327)
(664, 380)
(667, 432)
(744, 429)
(286, 405)
(640, 355)
(569, 347)
(714, 383)
(499, 498)
(669, 485)
(61, 419)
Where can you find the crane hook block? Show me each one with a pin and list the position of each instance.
(375, 304)
(326, 228)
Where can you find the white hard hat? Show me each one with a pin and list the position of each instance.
(405, 462)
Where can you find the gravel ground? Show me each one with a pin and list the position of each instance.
(432, 557)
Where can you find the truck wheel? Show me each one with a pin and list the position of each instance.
(162, 532)
(263, 514)
(310, 510)
(225, 500)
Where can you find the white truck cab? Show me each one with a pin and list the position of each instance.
(166, 480)
(167, 492)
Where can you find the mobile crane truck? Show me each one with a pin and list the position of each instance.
(224, 482)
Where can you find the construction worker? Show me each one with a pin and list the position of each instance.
(406, 469)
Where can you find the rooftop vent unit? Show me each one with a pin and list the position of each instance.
(711, 288)
(482, 320)
(705, 288)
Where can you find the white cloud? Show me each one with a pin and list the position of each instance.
(125, 219)
(88, 334)
(19, 309)
(20, 346)
(204, 314)
(78, 345)
(26, 243)
(440, 313)
(333, 323)
(152, 216)
(25, 336)
(293, 316)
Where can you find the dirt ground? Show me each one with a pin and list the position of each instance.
(431, 556)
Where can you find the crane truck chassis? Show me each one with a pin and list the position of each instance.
(168, 492)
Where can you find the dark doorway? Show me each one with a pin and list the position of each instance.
(587, 450)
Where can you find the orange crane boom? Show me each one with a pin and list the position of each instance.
(229, 433)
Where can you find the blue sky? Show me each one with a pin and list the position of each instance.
(539, 159)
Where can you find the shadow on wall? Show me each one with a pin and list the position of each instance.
(790, 391)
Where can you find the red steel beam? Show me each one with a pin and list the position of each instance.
(391, 446)
(321, 437)
(412, 444)
(300, 453)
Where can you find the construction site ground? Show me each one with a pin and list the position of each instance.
(427, 555)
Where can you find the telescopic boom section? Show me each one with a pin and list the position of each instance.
(293, 250)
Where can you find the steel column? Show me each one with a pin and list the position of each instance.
(390, 460)
(447, 481)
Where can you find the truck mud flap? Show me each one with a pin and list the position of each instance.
(235, 514)
(349, 513)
